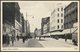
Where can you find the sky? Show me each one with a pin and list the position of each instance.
(34, 11)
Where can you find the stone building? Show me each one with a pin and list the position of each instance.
(45, 25)
(57, 18)
(71, 21)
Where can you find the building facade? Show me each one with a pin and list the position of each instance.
(17, 20)
(9, 15)
(70, 15)
(71, 21)
(45, 25)
(57, 18)
(22, 23)
(39, 32)
(25, 28)
(28, 27)
(11, 21)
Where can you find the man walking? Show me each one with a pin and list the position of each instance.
(23, 39)
(12, 38)
(65, 38)
(17, 38)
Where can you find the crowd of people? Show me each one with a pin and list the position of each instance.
(7, 39)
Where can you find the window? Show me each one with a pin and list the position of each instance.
(58, 27)
(61, 20)
(58, 14)
(58, 20)
(58, 9)
(62, 26)
(61, 14)
(61, 9)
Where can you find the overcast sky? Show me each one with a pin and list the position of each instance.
(38, 9)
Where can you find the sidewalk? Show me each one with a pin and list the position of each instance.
(17, 44)
(28, 43)
(51, 42)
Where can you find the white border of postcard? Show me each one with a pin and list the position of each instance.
(39, 49)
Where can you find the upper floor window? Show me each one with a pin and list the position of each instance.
(61, 9)
(61, 20)
(61, 14)
(58, 27)
(58, 14)
(58, 9)
(58, 20)
(62, 26)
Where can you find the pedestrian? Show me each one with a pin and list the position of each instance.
(12, 38)
(7, 39)
(17, 38)
(23, 39)
(65, 38)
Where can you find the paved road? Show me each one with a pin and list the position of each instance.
(51, 42)
(45, 42)
(34, 43)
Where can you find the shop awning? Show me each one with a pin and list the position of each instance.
(57, 33)
(66, 31)
(71, 30)
(47, 34)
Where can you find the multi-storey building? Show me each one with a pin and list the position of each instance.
(71, 21)
(25, 28)
(18, 18)
(22, 23)
(11, 14)
(11, 19)
(70, 15)
(45, 25)
(8, 18)
(38, 32)
(28, 27)
(57, 18)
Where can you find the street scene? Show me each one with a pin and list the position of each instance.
(40, 24)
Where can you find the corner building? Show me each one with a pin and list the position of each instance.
(71, 21)
(57, 18)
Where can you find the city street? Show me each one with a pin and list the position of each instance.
(44, 42)
(39, 25)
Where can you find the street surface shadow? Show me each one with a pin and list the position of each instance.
(41, 40)
(34, 43)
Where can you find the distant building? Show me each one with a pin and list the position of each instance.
(57, 18)
(45, 25)
(22, 23)
(25, 26)
(39, 32)
(28, 27)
